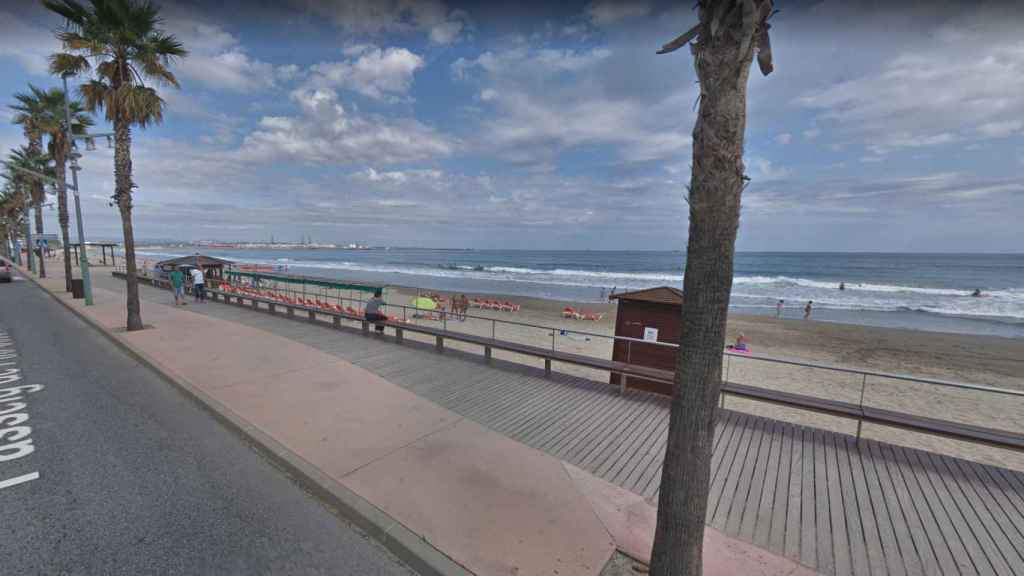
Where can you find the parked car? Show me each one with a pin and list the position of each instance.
(5, 271)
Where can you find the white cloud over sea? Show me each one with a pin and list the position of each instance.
(548, 126)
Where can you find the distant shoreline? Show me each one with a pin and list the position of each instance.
(920, 292)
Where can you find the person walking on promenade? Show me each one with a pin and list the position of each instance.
(178, 285)
(778, 308)
(198, 285)
(807, 310)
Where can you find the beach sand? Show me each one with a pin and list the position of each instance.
(984, 360)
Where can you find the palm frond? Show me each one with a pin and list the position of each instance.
(139, 105)
(94, 94)
(125, 44)
(64, 63)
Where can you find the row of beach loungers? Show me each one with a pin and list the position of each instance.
(493, 305)
(307, 302)
(570, 312)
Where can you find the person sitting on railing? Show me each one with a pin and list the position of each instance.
(372, 312)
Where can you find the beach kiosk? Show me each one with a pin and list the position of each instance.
(650, 315)
(213, 268)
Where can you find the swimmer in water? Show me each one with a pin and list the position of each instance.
(976, 293)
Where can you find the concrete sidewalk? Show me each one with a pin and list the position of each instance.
(488, 503)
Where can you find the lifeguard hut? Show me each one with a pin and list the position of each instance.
(650, 315)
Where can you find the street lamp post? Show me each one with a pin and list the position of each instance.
(74, 155)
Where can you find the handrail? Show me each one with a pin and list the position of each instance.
(904, 377)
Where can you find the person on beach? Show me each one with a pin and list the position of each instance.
(372, 311)
(463, 307)
(178, 284)
(778, 308)
(807, 310)
(741, 342)
(198, 285)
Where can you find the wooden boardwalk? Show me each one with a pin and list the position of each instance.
(812, 495)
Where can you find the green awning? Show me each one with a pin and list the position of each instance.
(289, 279)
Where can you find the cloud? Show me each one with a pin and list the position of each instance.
(30, 45)
(890, 196)
(375, 17)
(784, 138)
(326, 132)
(373, 72)
(959, 83)
(811, 133)
(1001, 129)
(763, 170)
(607, 12)
(217, 59)
(540, 101)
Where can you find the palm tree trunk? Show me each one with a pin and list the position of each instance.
(39, 232)
(38, 195)
(123, 195)
(715, 188)
(62, 213)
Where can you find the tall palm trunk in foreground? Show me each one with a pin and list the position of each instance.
(123, 196)
(729, 33)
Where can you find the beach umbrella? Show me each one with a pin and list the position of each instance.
(424, 303)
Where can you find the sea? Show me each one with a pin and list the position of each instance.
(918, 291)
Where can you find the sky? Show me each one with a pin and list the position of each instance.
(886, 126)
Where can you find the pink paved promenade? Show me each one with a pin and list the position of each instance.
(491, 504)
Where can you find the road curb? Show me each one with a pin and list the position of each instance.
(411, 548)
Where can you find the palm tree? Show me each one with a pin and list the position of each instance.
(727, 36)
(20, 163)
(29, 115)
(10, 216)
(49, 118)
(122, 42)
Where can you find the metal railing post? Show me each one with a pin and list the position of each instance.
(721, 396)
(860, 420)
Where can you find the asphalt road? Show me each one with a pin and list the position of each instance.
(134, 478)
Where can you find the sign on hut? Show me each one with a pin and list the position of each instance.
(651, 315)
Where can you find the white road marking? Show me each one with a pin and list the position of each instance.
(19, 480)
